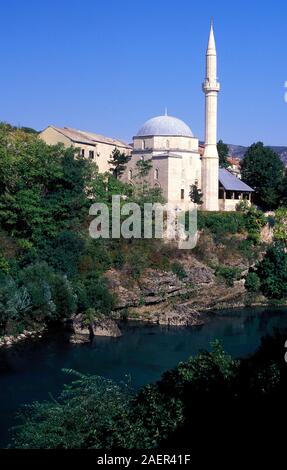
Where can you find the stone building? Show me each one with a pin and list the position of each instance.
(93, 146)
(178, 160)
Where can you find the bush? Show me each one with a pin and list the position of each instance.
(51, 294)
(229, 274)
(91, 412)
(272, 271)
(92, 292)
(252, 282)
(63, 253)
(245, 219)
(221, 223)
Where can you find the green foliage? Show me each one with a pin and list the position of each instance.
(143, 168)
(90, 412)
(51, 294)
(220, 223)
(252, 282)
(4, 265)
(118, 162)
(179, 270)
(15, 301)
(228, 273)
(245, 219)
(272, 271)
(263, 170)
(92, 292)
(223, 152)
(63, 252)
(280, 228)
(43, 188)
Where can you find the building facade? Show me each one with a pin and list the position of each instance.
(94, 146)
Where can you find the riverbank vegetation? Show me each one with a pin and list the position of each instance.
(50, 268)
(210, 396)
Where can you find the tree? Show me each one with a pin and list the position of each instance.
(223, 152)
(143, 168)
(263, 170)
(89, 413)
(252, 282)
(196, 195)
(272, 272)
(280, 228)
(118, 162)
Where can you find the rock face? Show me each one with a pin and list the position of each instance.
(101, 326)
(161, 297)
(106, 327)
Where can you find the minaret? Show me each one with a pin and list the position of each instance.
(210, 160)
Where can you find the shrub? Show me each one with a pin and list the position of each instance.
(229, 274)
(92, 292)
(4, 265)
(51, 294)
(220, 223)
(252, 282)
(272, 271)
(254, 237)
(280, 228)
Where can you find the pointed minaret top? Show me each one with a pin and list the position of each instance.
(165, 112)
(211, 40)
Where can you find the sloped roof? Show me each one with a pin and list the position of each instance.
(231, 183)
(88, 138)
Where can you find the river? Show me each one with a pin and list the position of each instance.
(31, 370)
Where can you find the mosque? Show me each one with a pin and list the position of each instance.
(178, 160)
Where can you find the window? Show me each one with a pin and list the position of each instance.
(143, 144)
(91, 154)
(83, 153)
(156, 174)
(167, 144)
(182, 194)
(130, 175)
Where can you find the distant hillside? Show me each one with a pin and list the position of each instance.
(239, 151)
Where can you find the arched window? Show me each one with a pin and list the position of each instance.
(143, 145)
(130, 175)
(167, 144)
(156, 174)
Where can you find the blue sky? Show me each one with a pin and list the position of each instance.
(107, 66)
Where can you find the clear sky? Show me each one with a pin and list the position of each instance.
(107, 66)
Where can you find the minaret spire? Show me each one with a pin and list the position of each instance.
(211, 41)
(210, 158)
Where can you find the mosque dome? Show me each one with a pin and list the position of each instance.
(165, 125)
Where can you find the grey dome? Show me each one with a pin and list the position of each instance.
(165, 125)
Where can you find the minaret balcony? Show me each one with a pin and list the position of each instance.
(210, 85)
